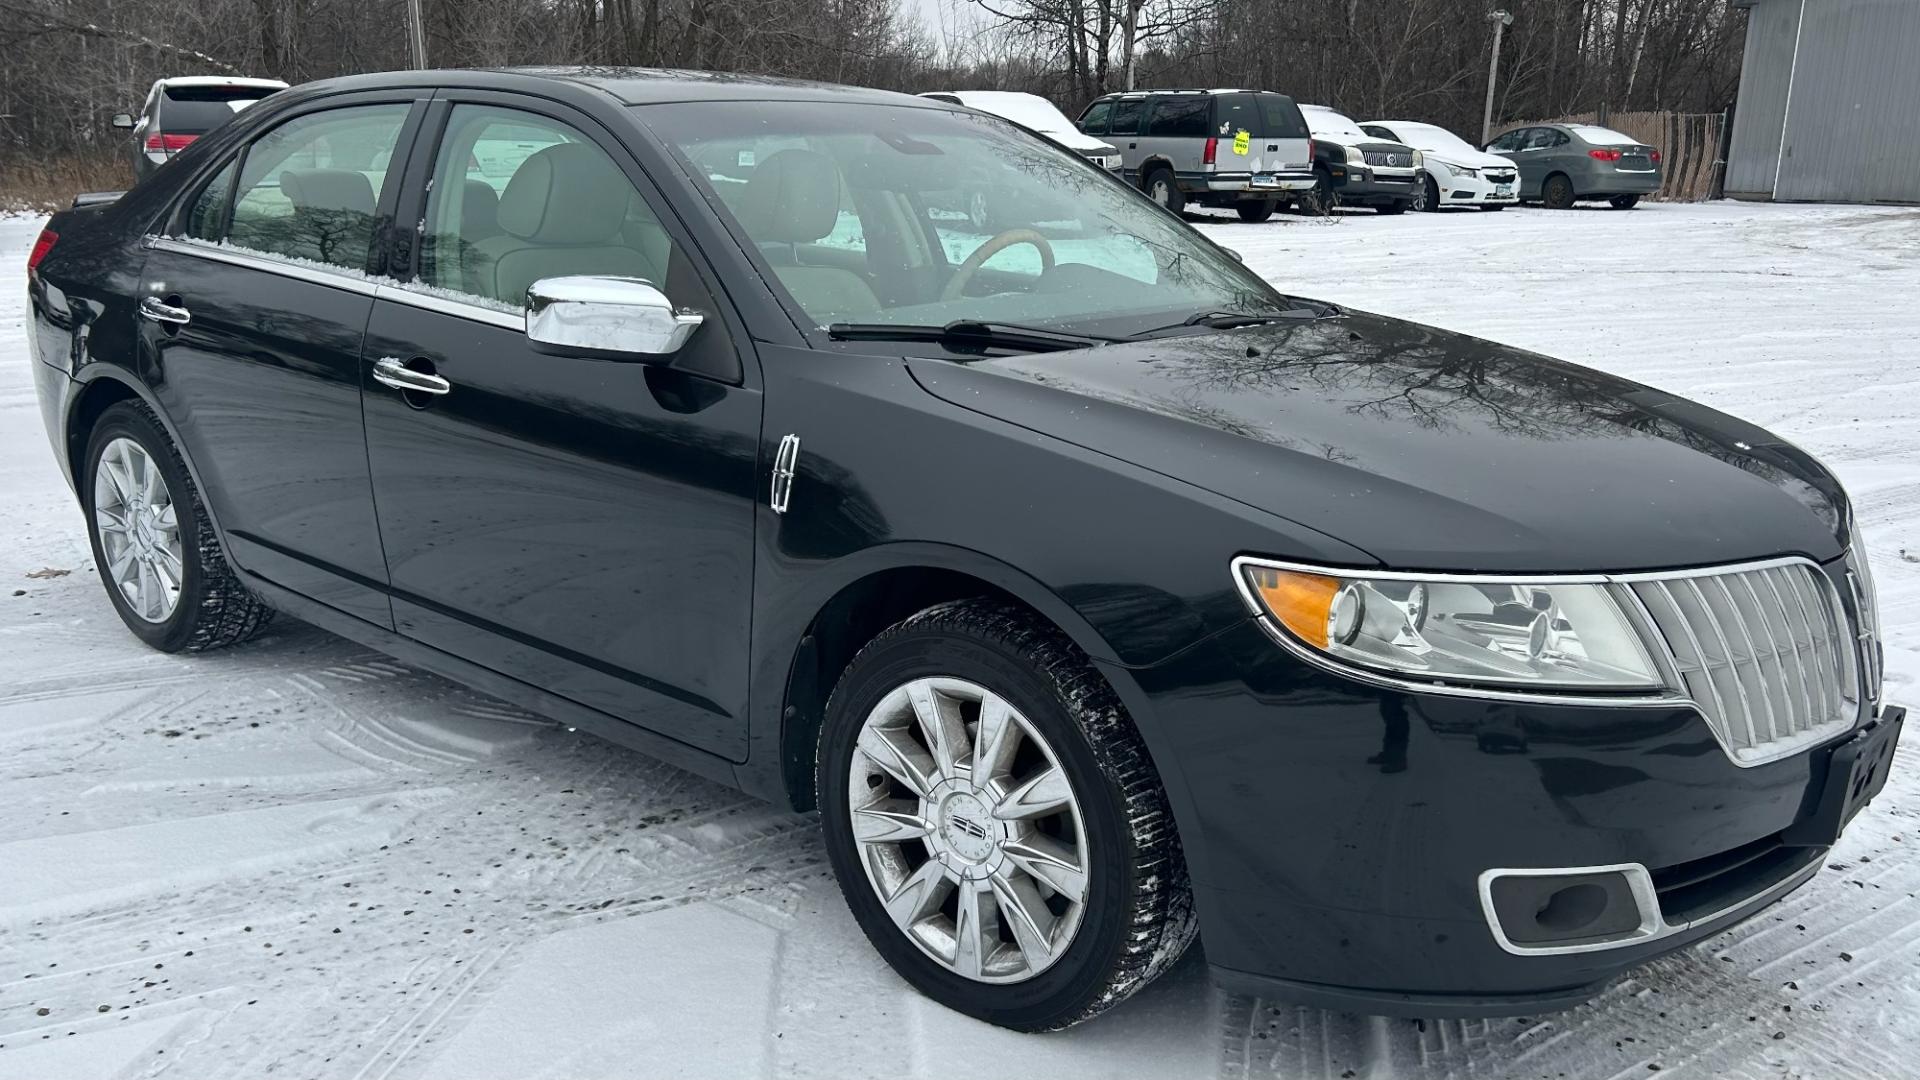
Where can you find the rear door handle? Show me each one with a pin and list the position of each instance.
(157, 310)
(392, 372)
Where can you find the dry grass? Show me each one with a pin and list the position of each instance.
(51, 184)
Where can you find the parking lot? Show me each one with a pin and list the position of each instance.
(303, 855)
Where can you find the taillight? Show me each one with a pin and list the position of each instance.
(1604, 155)
(1655, 155)
(1213, 147)
(40, 248)
(1310, 151)
(161, 143)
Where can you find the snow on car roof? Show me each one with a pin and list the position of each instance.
(1600, 136)
(1325, 121)
(1028, 110)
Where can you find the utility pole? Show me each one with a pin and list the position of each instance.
(1501, 20)
(416, 35)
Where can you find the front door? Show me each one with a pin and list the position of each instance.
(581, 524)
(252, 311)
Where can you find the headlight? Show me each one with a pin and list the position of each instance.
(1355, 155)
(1567, 635)
(1462, 170)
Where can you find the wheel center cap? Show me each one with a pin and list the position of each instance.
(968, 828)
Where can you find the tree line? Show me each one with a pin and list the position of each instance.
(71, 64)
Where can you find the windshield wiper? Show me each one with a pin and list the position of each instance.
(969, 334)
(1230, 320)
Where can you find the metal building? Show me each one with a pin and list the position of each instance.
(1829, 106)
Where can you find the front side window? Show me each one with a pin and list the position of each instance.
(874, 213)
(308, 188)
(518, 197)
(1095, 120)
(1179, 117)
(1510, 141)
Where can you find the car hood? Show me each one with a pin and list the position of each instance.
(1428, 449)
(1472, 159)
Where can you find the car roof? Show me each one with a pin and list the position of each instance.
(629, 86)
(221, 80)
(1188, 90)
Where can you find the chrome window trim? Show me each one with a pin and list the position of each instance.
(1671, 697)
(1653, 924)
(204, 249)
(399, 293)
(345, 280)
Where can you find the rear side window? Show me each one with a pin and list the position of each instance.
(196, 110)
(1126, 116)
(1094, 120)
(308, 188)
(1179, 117)
(1237, 112)
(1281, 117)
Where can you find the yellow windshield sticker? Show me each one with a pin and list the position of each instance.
(1241, 139)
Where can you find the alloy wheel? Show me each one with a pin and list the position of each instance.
(139, 530)
(969, 830)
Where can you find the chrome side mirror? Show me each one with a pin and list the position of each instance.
(607, 316)
(122, 120)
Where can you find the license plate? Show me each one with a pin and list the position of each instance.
(1856, 771)
(1503, 189)
(1265, 180)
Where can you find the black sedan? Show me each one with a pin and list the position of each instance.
(1096, 593)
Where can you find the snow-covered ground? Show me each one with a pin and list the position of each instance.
(301, 859)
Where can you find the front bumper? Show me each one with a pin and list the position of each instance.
(1458, 189)
(1336, 832)
(1366, 185)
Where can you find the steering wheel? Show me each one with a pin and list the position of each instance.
(963, 274)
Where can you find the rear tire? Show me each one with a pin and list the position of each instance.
(1624, 202)
(1557, 193)
(1393, 207)
(1256, 212)
(156, 550)
(940, 841)
(1160, 186)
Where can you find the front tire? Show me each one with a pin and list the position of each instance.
(1427, 198)
(157, 552)
(1395, 207)
(995, 823)
(1320, 199)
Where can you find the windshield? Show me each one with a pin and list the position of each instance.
(1428, 137)
(1325, 121)
(924, 216)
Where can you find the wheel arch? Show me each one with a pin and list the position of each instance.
(1156, 161)
(866, 601)
(101, 387)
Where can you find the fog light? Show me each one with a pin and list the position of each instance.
(1554, 910)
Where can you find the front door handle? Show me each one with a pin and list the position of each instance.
(157, 310)
(391, 371)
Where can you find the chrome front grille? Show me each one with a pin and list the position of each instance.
(1765, 652)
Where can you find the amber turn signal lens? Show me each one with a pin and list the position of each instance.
(1301, 602)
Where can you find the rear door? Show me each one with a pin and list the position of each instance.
(581, 524)
(253, 305)
(1175, 128)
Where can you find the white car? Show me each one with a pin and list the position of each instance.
(1455, 173)
(1036, 114)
